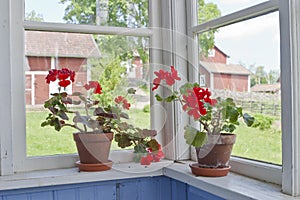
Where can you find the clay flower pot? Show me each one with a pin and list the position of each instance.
(213, 157)
(93, 150)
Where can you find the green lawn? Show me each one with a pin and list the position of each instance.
(251, 142)
(259, 145)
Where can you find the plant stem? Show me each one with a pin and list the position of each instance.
(74, 126)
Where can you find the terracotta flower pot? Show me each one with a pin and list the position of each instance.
(93, 150)
(213, 157)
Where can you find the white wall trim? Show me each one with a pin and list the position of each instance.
(290, 97)
(6, 120)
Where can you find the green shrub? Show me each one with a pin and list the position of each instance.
(146, 108)
(263, 122)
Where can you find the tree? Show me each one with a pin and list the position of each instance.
(260, 76)
(128, 13)
(33, 16)
(207, 11)
(132, 13)
(273, 76)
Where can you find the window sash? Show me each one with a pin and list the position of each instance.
(288, 175)
(241, 165)
(18, 124)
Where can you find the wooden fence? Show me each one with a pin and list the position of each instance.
(263, 103)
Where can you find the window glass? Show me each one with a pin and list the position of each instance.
(117, 62)
(246, 67)
(133, 13)
(211, 9)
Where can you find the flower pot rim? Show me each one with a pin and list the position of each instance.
(93, 132)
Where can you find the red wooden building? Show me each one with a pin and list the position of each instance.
(215, 73)
(52, 50)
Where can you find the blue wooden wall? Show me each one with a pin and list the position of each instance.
(152, 188)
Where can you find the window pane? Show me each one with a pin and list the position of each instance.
(117, 62)
(133, 13)
(245, 66)
(211, 9)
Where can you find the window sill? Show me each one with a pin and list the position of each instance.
(233, 186)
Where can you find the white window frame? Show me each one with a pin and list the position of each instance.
(13, 120)
(170, 46)
(288, 175)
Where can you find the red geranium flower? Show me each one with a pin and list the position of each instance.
(126, 105)
(62, 75)
(168, 77)
(124, 102)
(51, 76)
(145, 160)
(119, 99)
(95, 85)
(64, 83)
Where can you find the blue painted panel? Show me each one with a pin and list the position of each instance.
(195, 194)
(128, 190)
(86, 193)
(158, 188)
(165, 190)
(179, 190)
(149, 189)
(65, 194)
(42, 195)
(17, 197)
(105, 192)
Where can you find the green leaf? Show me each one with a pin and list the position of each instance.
(62, 115)
(45, 123)
(83, 99)
(200, 139)
(123, 140)
(124, 115)
(189, 134)
(171, 98)
(153, 144)
(77, 94)
(131, 91)
(194, 137)
(98, 111)
(249, 120)
(231, 128)
(158, 98)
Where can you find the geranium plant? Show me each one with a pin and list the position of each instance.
(96, 118)
(215, 115)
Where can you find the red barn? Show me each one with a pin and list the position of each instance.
(217, 74)
(53, 50)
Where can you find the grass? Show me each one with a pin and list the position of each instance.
(43, 141)
(258, 144)
(251, 142)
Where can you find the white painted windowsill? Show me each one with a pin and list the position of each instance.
(233, 186)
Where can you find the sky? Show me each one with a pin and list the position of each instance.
(253, 42)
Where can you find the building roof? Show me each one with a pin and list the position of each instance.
(41, 43)
(218, 49)
(212, 67)
(266, 88)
